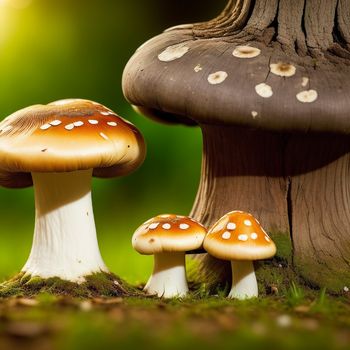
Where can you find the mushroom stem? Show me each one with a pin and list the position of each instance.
(168, 279)
(65, 243)
(244, 284)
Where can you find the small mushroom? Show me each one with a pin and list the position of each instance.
(57, 148)
(239, 238)
(168, 237)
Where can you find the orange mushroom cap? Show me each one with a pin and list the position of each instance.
(239, 236)
(168, 233)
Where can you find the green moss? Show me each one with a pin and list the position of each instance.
(95, 285)
(332, 277)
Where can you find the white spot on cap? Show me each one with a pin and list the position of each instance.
(104, 113)
(243, 237)
(112, 123)
(173, 52)
(346, 289)
(246, 52)
(184, 226)
(104, 136)
(78, 123)
(93, 121)
(198, 68)
(165, 216)
(217, 77)
(267, 238)
(283, 69)
(153, 225)
(253, 236)
(247, 223)
(69, 127)
(111, 113)
(166, 226)
(226, 235)
(254, 114)
(305, 81)
(55, 122)
(307, 96)
(264, 90)
(45, 127)
(231, 226)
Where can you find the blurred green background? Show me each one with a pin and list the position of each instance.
(54, 49)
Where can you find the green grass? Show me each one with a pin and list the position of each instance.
(209, 322)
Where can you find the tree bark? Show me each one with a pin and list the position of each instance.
(295, 185)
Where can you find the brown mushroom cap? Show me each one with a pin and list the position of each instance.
(222, 80)
(239, 236)
(67, 135)
(168, 233)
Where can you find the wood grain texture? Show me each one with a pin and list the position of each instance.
(320, 196)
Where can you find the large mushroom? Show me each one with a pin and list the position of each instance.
(57, 148)
(267, 82)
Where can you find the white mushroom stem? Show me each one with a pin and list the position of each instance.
(244, 284)
(168, 279)
(65, 243)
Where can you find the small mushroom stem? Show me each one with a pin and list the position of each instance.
(65, 243)
(244, 284)
(168, 279)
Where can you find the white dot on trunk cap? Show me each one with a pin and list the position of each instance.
(231, 226)
(307, 96)
(246, 52)
(217, 77)
(166, 226)
(153, 225)
(104, 113)
(253, 236)
(198, 68)
(226, 235)
(254, 114)
(78, 123)
(247, 223)
(112, 123)
(45, 127)
(243, 237)
(283, 69)
(93, 121)
(173, 52)
(264, 90)
(184, 226)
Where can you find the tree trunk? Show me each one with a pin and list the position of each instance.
(296, 185)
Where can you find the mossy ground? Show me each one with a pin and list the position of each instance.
(298, 320)
(95, 285)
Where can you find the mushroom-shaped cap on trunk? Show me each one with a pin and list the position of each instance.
(233, 78)
(67, 135)
(239, 236)
(168, 233)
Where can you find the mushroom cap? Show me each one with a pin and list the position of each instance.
(168, 233)
(226, 81)
(239, 236)
(64, 136)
